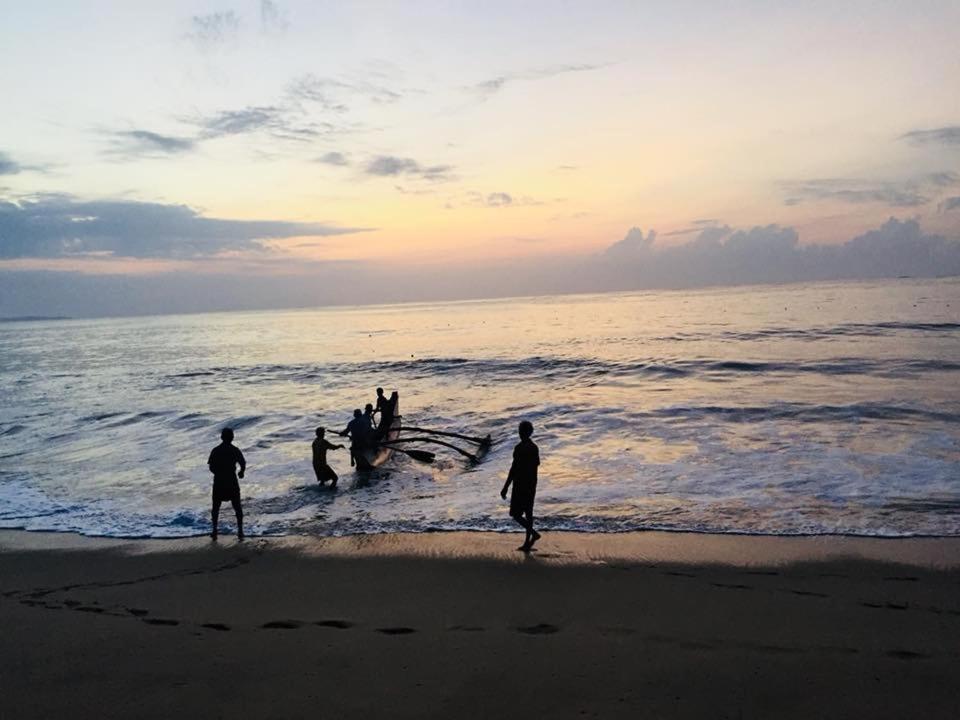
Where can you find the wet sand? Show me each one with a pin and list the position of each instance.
(462, 625)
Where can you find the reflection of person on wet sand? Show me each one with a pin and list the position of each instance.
(523, 475)
(323, 471)
(223, 462)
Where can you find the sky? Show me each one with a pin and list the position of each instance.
(188, 156)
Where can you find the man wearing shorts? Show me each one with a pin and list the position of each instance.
(223, 462)
(523, 475)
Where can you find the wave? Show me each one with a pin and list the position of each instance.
(818, 333)
(560, 368)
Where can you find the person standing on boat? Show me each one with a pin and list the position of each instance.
(523, 476)
(323, 471)
(357, 430)
(384, 407)
(223, 462)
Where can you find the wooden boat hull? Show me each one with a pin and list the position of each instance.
(375, 456)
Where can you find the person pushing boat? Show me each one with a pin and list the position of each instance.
(323, 471)
(358, 430)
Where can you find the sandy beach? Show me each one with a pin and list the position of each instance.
(462, 625)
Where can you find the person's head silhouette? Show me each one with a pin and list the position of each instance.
(357, 413)
(226, 435)
(368, 408)
(379, 392)
(526, 429)
(321, 431)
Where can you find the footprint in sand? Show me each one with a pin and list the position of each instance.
(282, 625)
(215, 626)
(396, 630)
(808, 593)
(337, 624)
(137, 612)
(539, 629)
(160, 621)
(906, 655)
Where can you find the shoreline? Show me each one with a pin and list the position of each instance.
(557, 547)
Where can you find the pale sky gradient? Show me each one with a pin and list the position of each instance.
(449, 133)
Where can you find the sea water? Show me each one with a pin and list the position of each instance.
(801, 409)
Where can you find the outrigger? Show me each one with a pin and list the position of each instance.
(386, 438)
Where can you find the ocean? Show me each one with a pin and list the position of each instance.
(825, 408)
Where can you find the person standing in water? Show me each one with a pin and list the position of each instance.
(223, 462)
(523, 475)
(323, 471)
(357, 430)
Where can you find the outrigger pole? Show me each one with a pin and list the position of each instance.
(390, 443)
(480, 441)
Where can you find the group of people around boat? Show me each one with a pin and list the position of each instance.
(363, 432)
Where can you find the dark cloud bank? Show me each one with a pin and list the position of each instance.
(62, 226)
(715, 256)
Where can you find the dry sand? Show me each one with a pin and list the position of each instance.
(460, 625)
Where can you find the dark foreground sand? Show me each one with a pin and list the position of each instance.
(459, 625)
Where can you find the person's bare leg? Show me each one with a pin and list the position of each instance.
(533, 534)
(215, 518)
(238, 510)
(522, 522)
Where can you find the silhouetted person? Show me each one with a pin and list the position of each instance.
(385, 408)
(368, 418)
(323, 471)
(357, 430)
(523, 475)
(223, 462)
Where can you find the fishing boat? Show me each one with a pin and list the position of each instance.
(379, 451)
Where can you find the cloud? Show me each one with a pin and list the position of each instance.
(8, 166)
(319, 91)
(332, 94)
(633, 244)
(950, 203)
(769, 254)
(333, 158)
(498, 199)
(272, 19)
(949, 135)
(63, 226)
(698, 227)
(491, 86)
(907, 193)
(392, 166)
(144, 143)
(279, 122)
(209, 32)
